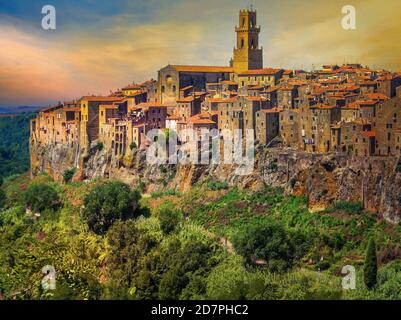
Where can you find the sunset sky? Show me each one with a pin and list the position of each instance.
(100, 46)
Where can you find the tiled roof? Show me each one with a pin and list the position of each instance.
(100, 99)
(369, 133)
(213, 69)
(266, 71)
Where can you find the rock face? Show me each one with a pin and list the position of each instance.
(373, 181)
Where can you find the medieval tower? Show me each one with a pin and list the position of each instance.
(247, 54)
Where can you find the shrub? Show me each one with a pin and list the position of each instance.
(97, 147)
(217, 185)
(41, 196)
(350, 207)
(68, 174)
(398, 169)
(110, 202)
(169, 219)
(170, 192)
(370, 266)
(132, 146)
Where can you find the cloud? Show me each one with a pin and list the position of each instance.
(98, 47)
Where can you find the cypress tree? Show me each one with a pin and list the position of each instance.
(370, 267)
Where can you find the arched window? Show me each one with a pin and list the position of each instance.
(242, 43)
(243, 22)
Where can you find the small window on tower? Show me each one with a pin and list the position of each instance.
(242, 43)
(243, 22)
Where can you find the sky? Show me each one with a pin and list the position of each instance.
(104, 45)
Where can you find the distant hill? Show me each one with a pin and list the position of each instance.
(19, 109)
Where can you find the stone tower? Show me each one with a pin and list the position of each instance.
(247, 54)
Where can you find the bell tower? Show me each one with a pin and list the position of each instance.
(247, 54)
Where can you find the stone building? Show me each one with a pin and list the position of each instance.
(267, 125)
(89, 129)
(174, 77)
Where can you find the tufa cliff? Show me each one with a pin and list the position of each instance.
(323, 178)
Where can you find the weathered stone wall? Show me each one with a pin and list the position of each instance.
(373, 181)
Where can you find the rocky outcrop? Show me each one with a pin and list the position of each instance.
(373, 181)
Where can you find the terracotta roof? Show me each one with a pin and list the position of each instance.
(369, 133)
(250, 98)
(213, 69)
(274, 110)
(75, 109)
(266, 71)
(321, 106)
(272, 89)
(100, 99)
(186, 99)
(201, 121)
(221, 100)
(186, 88)
(132, 87)
(173, 117)
(376, 96)
(232, 83)
(150, 104)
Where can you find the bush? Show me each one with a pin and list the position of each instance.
(160, 194)
(350, 207)
(169, 219)
(398, 169)
(132, 146)
(68, 174)
(110, 202)
(217, 185)
(41, 196)
(267, 240)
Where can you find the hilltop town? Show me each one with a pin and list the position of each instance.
(349, 109)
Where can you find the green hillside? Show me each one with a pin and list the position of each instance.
(213, 242)
(14, 144)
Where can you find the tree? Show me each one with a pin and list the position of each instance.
(268, 241)
(41, 196)
(370, 266)
(128, 264)
(110, 202)
(169, 219)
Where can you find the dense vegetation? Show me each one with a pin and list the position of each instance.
(213, 242)
(14, 144)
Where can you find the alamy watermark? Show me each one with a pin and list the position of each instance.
(204, 146)
(49, 20)
(348, 22)
(49, 280)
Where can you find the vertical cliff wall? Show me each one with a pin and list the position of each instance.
(373, 181)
